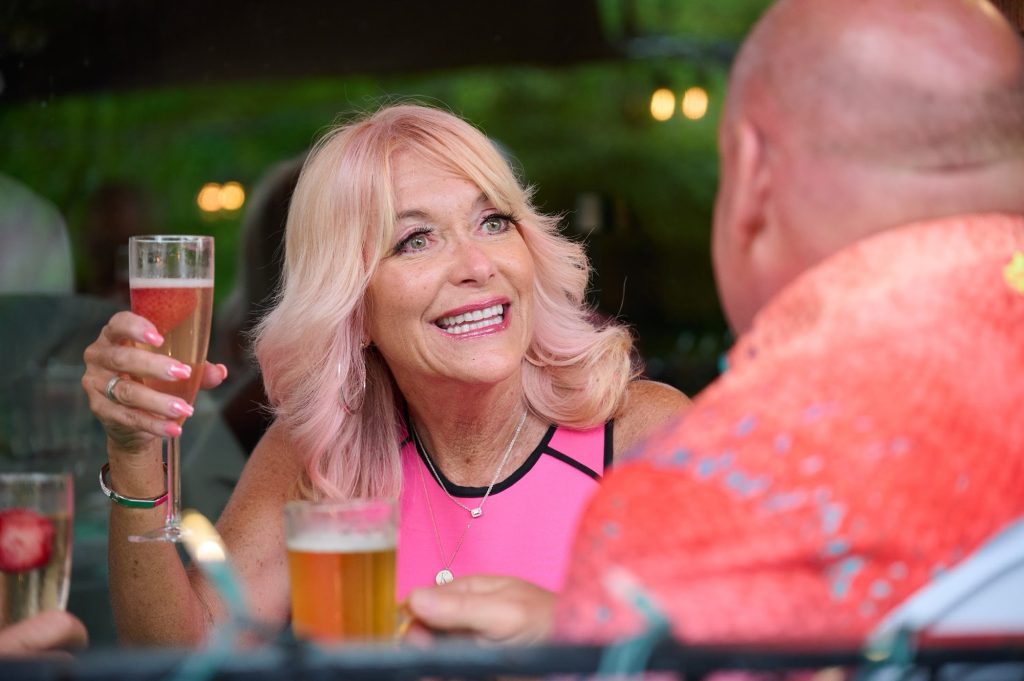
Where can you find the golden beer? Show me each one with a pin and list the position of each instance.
(342, 570)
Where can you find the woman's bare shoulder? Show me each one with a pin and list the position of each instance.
(648, 406)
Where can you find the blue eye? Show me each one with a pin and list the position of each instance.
(497, 223)
(415, 242)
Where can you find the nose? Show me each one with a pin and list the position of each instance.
(471, 263)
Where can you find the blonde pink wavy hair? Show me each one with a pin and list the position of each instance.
(340, 224)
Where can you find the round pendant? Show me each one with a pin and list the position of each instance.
(444, 576)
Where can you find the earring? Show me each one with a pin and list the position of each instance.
(349, 408)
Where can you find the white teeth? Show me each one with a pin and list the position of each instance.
(471, 321)
(473, 326)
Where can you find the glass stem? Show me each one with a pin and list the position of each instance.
(173, 483)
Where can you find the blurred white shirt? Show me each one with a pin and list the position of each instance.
(35, 252)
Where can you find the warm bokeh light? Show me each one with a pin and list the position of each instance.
(695, 103)
(232, 196)
(214, 197)
(663, 104)
(209, 197)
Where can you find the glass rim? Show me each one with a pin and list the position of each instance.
(169, 238)
(17, 476)
(344, 504)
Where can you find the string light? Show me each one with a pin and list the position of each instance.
(214, 197)
(663, 104)
(208, 198)
(232, 196)
(695, 103)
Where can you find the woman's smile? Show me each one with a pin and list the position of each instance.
(475, 319)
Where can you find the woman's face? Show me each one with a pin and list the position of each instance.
(453, 299)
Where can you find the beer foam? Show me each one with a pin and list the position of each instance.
(341, 542)
(140, 282)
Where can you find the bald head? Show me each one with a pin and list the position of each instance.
(847, 118)
(920, 83)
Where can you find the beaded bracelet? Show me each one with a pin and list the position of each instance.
(129, 502)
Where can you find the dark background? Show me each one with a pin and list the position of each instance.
(118, 111)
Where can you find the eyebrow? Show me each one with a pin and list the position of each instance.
(418, 214)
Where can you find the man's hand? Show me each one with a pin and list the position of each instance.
(46, 632)
(488, 608)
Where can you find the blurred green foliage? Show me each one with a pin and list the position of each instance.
(582, 130)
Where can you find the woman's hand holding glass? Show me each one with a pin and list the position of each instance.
(140, 415)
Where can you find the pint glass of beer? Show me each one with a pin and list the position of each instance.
(341, 565)
(36, 516)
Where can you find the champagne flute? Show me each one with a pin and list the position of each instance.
(36, 517)
(171, 281)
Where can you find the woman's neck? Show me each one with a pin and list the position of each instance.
(466, 435)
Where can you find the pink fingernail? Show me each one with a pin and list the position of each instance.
(181, 371)
(223, 371)
(172, 430)
(182, 409)
(153, 338)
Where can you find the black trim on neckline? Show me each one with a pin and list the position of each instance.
(476, 492)
(566, 459)
(609, 446)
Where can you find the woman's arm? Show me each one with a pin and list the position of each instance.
(155, 600)
(252, 526)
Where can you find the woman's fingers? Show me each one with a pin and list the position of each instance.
(487, 607)
(213, 375)
(126, 383)
(128, 327)
(48, 631)
(133, 413)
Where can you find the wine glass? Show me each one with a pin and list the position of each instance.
(171, 282)
(36, 518)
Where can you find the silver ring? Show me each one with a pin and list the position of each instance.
(110, 389)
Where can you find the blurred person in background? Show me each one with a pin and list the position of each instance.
(430, 342)
(261, 258)
(118, 210)
(35, 252)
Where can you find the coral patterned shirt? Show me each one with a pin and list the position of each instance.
(868, 435)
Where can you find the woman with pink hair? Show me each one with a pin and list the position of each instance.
(430, 342)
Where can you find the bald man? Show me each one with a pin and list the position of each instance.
(868, 246)
(869, 433)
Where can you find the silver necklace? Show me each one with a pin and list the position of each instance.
(445, 575)
(479, 510)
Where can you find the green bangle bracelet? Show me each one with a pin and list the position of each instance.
(128, 502)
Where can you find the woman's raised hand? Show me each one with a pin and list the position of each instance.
(133, 414)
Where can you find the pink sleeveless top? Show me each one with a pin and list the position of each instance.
(528, 522)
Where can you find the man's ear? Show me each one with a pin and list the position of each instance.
(750, 185)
